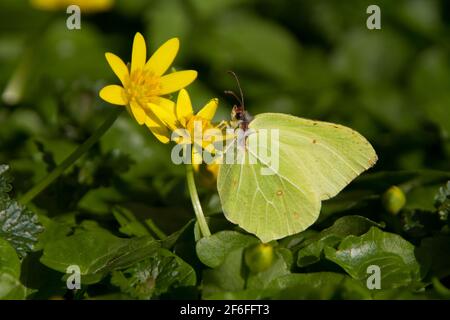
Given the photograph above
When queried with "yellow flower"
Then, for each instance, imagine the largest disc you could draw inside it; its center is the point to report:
(186, 123)
(144, 84)
(185, 117)
(85, 5)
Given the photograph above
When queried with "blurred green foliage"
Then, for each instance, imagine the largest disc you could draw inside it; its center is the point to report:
(311, 58)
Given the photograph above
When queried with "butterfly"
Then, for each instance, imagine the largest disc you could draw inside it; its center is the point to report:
(315, 160)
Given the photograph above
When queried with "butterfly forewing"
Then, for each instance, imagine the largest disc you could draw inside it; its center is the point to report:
(326, 155)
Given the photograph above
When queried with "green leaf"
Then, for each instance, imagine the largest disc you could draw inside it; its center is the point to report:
(229, 276)
(303, 286)
(319, 285)
(232, 279)
(393, 254)
(10, 286)
(311, 250)
(212, 250)
(404, 294)
(18, 225)
(297, 240)
(154, 276)
(96, 252)
(54, 230)
(9, 261)
(129, 225)
(280, 267)
(347, 225)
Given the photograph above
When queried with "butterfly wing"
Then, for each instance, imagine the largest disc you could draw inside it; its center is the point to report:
(269, 206)
(315, 161)
(327, 156)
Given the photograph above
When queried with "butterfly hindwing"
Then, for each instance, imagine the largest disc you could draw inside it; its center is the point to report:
(269, 206)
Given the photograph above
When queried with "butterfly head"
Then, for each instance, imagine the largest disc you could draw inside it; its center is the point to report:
(239, 116)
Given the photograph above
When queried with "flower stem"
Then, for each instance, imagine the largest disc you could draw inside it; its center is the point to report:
(440, 288)
(196, 201)
(72, 158)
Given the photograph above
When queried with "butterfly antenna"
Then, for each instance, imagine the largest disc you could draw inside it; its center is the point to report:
(239, 86)
(231, 93)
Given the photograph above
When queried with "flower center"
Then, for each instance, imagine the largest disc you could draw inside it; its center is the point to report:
(142, 86)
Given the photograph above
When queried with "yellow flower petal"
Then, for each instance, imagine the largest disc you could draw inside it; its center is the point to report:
(139, 53)
(197, 158)
(176, 81)
(118, 66)
(165, 103)
(158, 129)
(113, 94)
(183, 108)
(165, 115)
(209, 110)
(138, 113)
(161, 60)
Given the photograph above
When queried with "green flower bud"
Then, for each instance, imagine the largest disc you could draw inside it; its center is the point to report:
(393, 200)
(259, 257)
